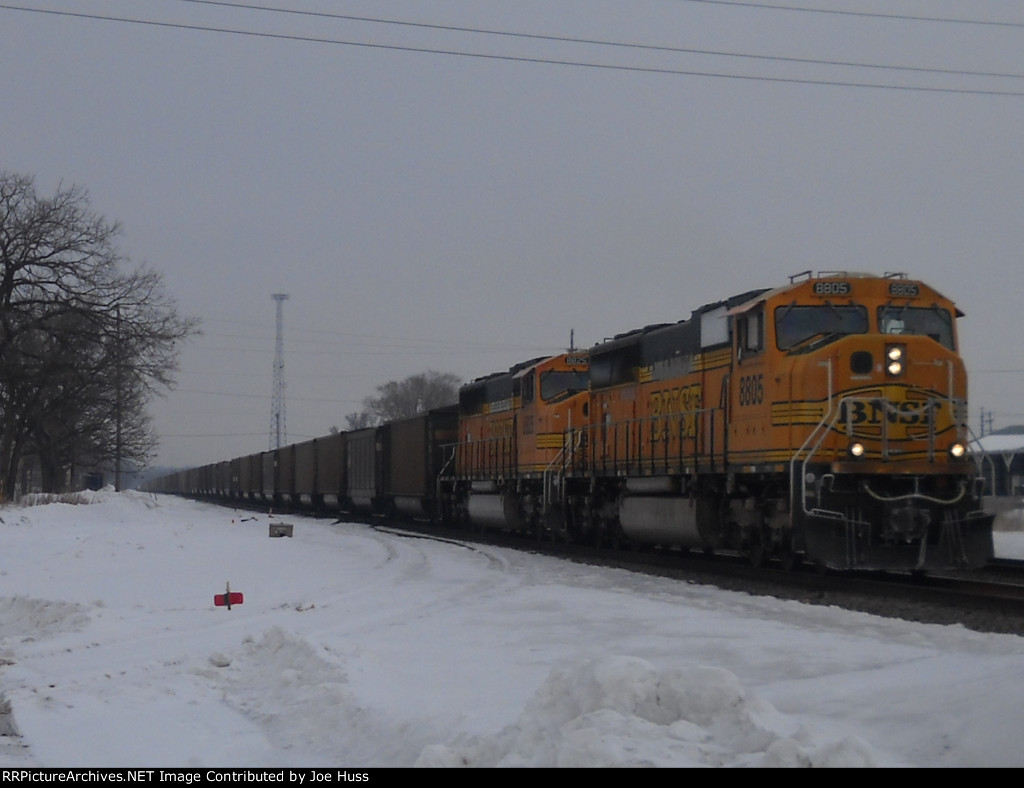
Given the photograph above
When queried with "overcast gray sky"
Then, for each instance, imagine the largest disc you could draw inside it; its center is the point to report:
(431, 196)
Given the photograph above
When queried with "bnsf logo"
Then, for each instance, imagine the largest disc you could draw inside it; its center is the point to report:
(873, 412)
(832, 288)
(674, 411)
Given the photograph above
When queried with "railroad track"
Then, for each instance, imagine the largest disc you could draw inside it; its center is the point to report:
(985, 601)
(988, 600)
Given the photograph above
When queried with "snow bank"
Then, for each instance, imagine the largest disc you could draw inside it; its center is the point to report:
(621, 711)
(360, 647)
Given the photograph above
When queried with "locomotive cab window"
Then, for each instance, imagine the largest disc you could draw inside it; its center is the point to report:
(556, 385)
(933, 322)
(817, 325)
(750, 333)
(527, 386)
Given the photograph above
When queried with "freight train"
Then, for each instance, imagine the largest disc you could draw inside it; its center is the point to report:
(821, 421)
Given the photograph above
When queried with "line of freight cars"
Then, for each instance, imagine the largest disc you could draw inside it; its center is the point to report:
(390, 469)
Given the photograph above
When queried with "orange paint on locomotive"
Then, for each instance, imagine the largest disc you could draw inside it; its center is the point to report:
(656, 399)
(555, 403)
(522, 433)
(801, 375)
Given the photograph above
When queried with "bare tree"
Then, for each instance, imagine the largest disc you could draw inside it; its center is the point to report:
(358, 420)
(84, 344)
(399, 399)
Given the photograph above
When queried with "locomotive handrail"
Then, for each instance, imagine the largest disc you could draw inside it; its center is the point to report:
(488, 457)
(831, 419)
(449, 449)
(632, 436)
(559, 460)
(918, 495)
(821, 428)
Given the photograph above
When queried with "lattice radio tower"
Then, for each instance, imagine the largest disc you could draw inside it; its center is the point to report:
(278, 433)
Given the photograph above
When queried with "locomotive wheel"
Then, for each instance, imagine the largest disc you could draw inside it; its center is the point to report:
(557, 526)
(757, 548)
(757, 553)
(788, 557)
(610, 537)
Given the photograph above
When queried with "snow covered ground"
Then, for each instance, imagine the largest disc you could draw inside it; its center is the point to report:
(358, 647)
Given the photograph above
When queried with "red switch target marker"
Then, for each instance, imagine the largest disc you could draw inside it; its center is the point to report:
(228, 598)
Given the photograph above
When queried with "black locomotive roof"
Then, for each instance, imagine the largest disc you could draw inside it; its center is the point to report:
(630, 350)
(688, 328)
(493, 388)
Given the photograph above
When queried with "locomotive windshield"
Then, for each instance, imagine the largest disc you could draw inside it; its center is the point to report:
(795, 325)
(926, 321)
(556, 385)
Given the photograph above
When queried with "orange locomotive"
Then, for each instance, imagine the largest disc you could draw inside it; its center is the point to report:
(824, 420)
(513, 429)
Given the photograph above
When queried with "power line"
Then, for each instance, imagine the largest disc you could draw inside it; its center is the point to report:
(212, 435)
(349, 339)
(605, 42)
(868, 14)
(524, 59)
(243, 395)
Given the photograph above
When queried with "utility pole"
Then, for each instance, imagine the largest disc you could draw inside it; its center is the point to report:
(278, 433)
(118, 446)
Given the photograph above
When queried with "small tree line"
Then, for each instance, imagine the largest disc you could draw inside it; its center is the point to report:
(85, 341)
(399, 399)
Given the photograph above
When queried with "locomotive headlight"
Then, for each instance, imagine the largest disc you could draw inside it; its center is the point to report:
(856, 449)
(957, 450)
(894, 360)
